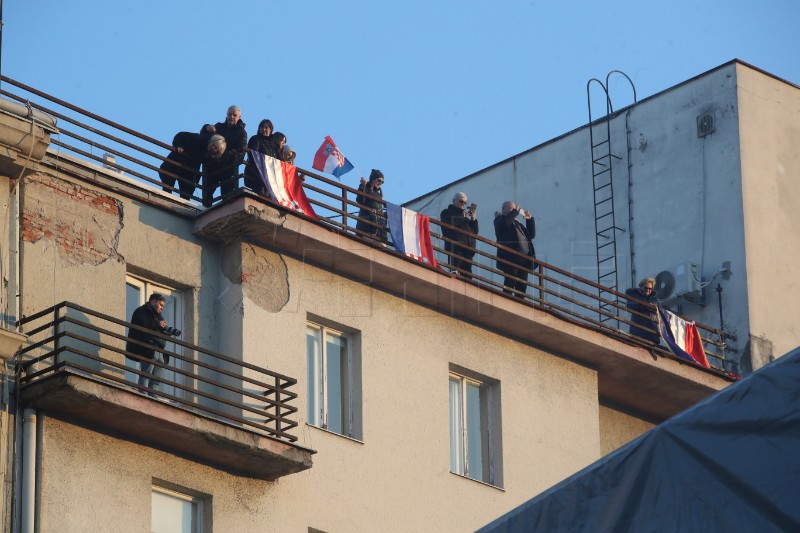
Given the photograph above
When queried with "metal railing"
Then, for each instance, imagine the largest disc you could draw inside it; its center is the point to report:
(548, 287)
(72, 338)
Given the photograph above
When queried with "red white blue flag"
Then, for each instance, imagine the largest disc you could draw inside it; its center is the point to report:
(411, 233)
(329, 159)
(682, 337)
(283, 183)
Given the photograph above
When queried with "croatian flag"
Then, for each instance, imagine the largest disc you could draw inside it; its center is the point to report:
(329, 159)
(682, 337)
(411, 233)
(283, 183)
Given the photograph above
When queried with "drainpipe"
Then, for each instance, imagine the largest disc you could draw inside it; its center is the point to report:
(28, 493)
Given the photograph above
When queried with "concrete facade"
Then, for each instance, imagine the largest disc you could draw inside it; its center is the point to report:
(252, 277)
(679, 197)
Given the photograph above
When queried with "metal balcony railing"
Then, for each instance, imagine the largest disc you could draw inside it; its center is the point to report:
(69, 337)
(549, 288)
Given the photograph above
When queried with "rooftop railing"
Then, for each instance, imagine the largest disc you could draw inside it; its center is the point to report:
(547, 287)
(72, 338)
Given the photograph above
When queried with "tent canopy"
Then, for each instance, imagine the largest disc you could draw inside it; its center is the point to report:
(730, 463)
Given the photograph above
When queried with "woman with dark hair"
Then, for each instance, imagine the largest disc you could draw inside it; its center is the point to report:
(638, 298)
(260, 142)
(372, 208)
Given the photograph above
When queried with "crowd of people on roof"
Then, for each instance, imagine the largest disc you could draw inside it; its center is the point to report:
(221, 148)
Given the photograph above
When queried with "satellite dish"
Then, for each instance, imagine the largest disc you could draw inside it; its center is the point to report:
(665, 284)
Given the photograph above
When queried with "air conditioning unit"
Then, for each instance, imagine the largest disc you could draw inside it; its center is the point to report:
(680, 281)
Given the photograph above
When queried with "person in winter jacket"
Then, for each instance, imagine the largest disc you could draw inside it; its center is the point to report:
(512, 234)
(224, 172)
(183, 164)
(371, 209)
(260, 142)
(458, 215)
(148, 316)
(638, 298)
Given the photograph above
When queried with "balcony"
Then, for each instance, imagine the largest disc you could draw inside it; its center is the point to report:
(210, 408)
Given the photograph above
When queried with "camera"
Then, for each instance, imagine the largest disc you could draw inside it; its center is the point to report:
(172, 332)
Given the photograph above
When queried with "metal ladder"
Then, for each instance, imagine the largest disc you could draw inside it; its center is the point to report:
(605, 226)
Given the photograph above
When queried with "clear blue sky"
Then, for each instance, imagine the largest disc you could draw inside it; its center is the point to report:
(428, 92)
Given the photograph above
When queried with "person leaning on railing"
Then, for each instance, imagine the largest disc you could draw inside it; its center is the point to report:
(184, 162)
(511, 233)
(458, 215)
(260, 142)
(638, 298)
(372, 208)
(225, 171)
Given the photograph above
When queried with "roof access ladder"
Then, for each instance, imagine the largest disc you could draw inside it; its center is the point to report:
(605, 225)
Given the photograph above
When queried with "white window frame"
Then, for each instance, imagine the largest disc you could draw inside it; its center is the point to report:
(489, 470)
(317, 389)
(196, 508)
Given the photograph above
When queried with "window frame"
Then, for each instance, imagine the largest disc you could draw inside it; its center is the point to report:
(318, 390)
(490, 430)
(197, 506)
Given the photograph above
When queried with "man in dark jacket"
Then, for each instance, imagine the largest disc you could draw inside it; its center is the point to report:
(148, 316)
(458, 216)
(224, 172)
(509, 232)
(183, 164)
(638, 298)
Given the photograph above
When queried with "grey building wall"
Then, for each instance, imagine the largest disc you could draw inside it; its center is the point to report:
(679, 197)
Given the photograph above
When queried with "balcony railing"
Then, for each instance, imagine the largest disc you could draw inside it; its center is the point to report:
(69, 337)
(548, 288)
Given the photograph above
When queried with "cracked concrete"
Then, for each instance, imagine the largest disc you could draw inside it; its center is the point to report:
(263, 275)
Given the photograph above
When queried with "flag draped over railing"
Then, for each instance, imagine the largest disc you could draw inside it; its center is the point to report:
(283, 183)
(681, 337)
(411, 233)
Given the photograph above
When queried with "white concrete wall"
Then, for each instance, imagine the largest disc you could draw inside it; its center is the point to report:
(770, 109)
(685, 197)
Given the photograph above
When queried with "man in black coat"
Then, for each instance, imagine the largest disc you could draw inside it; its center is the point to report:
(509, 232)
(458, 216)
(638, 298)
(225, 170)
(183, 164)
(148, 316)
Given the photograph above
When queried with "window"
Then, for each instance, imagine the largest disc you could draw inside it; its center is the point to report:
(334, 377)
(174, 512)
(475, 449)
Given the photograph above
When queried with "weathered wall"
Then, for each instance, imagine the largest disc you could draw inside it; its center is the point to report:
(399, 474)
(771, 189)
(79, 242)
(685, 195)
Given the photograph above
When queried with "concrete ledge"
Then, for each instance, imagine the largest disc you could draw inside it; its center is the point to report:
(10, 342)
(121, 413)
(628, 375)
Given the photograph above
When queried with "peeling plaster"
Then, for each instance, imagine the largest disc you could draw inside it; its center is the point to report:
(264, 276)
(84, 225)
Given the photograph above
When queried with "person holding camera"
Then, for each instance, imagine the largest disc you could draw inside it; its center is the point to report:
(372, 207)
(148, 316)
(459, 216)
(512, 234)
